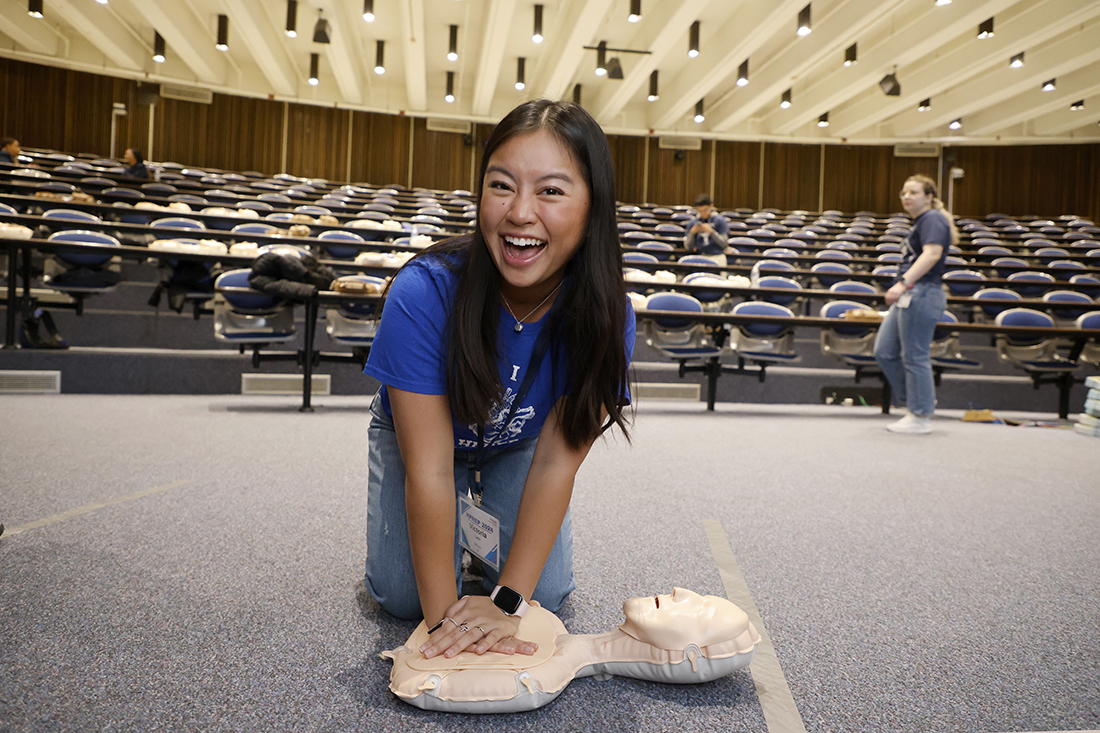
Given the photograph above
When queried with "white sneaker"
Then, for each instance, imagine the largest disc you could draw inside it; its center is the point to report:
(912, 425)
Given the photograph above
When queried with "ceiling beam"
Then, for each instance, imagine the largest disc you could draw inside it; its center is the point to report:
(565, 52)
(663, 27)
(924, 28)
(1031, 28)
(105, 31)
(415, 50)
(1064, 120)
(189, 38)
(1034, 103)
(979, 92)
(342, 52)
(252, 25)
(498, 24)
(713, 67)
(833, 33)
(33, 34)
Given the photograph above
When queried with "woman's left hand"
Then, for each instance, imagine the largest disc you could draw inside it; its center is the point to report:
(474, 623)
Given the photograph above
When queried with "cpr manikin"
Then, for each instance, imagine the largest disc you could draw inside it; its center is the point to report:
(681, 637)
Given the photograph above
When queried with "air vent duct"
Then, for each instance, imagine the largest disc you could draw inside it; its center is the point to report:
(917, 150)
(187, 94)
(678, 142)
(462, 127)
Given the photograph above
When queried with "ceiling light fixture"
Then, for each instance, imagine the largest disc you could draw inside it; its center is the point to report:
(653, 95)
(577, 94)
(743, 73)
(699, 110)
(614, 68)
(537, 35)
(452, 48)
(314, 63)
(520, 83)
(985, 30)
(823, 120)
(635, 11)
(368, 10)
(158, 47)
(1050, 85)
(925, 105)
(34, 8)
(804, 28)
(956, 123)
(785, 100)
(380, 57)
(292, 18)
(943, 2)
(850, 56)
(223, 33)
(101, 2)
(889, 84)
(1077, 106)
(601, 58)
(450, 96)
(693, 40)
(321, 30)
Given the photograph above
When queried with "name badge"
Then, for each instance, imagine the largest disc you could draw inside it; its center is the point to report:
(905, 299)
(479, 532)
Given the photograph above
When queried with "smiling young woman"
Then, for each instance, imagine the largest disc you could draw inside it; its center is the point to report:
(503, 355)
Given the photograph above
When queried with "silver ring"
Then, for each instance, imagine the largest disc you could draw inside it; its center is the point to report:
(464, 628)
(481, 630)
(453, 622)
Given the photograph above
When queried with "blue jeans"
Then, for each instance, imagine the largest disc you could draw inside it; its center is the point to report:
(902, 347)
(390, 577)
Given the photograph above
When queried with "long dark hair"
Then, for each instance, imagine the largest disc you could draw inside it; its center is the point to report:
(588, 319)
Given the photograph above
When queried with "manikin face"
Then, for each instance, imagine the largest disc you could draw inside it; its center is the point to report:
(129, 157)
(914, 200)
(534, 213)
(683, 617)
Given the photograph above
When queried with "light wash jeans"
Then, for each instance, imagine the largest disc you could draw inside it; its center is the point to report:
(390, 577)
(902, 348)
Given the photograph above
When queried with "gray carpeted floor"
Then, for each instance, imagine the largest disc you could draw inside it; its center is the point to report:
(199, 562)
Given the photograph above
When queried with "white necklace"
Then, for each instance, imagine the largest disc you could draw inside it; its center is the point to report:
(519, 321)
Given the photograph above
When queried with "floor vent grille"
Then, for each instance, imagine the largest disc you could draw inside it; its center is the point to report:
(663, 391)
(286, 384)
(30, 382)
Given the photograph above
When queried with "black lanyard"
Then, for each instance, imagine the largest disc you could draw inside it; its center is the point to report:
(542, 342)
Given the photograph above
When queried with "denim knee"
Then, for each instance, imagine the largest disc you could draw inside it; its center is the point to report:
(395, 597)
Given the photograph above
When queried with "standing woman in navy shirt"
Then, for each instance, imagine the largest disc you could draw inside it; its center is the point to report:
(916, 301)
(503, 355)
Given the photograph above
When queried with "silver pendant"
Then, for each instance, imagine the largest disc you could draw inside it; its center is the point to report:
(519, 327)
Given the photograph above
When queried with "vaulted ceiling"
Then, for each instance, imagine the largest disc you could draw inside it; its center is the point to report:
(933, 50)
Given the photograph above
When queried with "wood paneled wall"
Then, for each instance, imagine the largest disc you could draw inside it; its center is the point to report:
(47, 107)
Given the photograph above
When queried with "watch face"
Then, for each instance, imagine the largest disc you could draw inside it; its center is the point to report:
(508, 600)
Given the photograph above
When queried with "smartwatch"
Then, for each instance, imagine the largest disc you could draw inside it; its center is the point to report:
(509, 601)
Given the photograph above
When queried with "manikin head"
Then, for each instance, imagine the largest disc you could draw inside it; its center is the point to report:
(675, 620)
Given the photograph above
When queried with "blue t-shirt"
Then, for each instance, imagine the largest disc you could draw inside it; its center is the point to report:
(931, 227)
(410, 353)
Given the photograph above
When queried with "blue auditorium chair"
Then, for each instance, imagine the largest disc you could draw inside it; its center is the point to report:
(945, 353)
(678, 339)
(1090, 354)
(661, 250)
(829, 274)
(82, 273)
(177, 222)
(70, 215)
(852, 286)
(1031, 283)
(249, 318)
(1036, 355)
(355, 323)
(1067, 305)
(763, 344)
(715, 301)
(963, 283)
(850, 341)
(331, 246)
(991, 310)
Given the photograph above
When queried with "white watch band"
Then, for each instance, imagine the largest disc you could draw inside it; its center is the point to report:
(524, 606)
